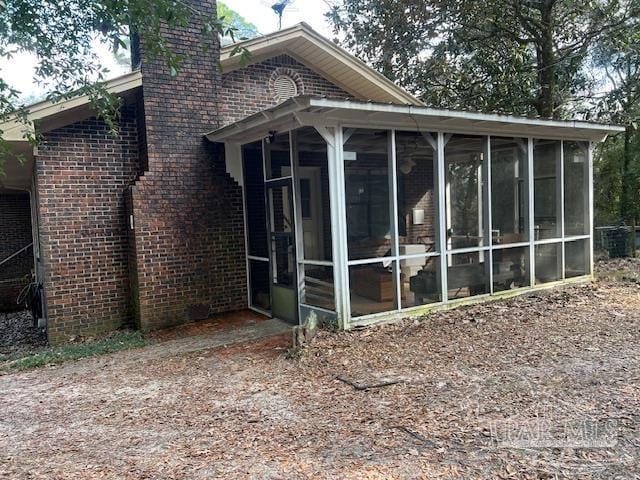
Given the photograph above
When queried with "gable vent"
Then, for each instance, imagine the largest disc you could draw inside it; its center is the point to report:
(285, 87)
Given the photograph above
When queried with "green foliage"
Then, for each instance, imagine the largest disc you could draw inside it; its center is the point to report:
(62, 32)
(495, 55)
(113, 343)
(543, 58)
(243, 29)
(618, 164)
(607, 181)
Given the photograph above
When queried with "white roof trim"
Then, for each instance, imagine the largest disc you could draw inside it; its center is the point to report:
(14, 130)
(289, 41)
(305, 110)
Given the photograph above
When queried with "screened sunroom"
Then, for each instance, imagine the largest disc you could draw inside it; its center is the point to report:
(356, 212)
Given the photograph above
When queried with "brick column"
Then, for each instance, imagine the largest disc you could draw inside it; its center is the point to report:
(188, 246)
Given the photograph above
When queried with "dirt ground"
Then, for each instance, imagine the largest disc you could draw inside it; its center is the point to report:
(541, 386)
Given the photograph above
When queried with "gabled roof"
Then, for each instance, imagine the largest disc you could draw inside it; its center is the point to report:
(65, 112)
(326, 112)
(334, 63)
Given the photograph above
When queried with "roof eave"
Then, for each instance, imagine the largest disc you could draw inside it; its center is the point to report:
(16, 130)
(303, 31)
(299, 108)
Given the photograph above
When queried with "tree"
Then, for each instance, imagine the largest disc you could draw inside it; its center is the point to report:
(512, 56)
(618, 56)
(242, 28)
(61, 33)
(237, 28)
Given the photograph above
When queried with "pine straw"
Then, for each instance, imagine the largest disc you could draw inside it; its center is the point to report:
(562, 362)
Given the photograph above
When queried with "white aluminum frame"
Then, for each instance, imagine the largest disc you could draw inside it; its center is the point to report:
(487, 245)
(336, 136)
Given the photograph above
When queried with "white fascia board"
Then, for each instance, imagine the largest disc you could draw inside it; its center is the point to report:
(15, 130)
(485, 121)
(326, 112)
(257, 120)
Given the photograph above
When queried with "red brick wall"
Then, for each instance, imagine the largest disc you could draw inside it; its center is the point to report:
(248, 90)
(81, 175)
(15, 233)
(183, 259)
(189, 240)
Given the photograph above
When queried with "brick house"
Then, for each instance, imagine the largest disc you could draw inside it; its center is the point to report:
(303, 185)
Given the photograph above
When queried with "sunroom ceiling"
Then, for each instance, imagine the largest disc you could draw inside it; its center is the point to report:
(325, 112)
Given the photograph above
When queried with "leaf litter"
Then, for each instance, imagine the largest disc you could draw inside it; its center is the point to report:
(541, 386)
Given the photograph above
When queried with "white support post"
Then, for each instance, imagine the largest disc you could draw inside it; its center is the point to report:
(393, 204)
(343, 264)
(531, 213)
(330, 136)
(590, 229)
(560, 208)
(487, 217)
(297, 215)
(447, 195)
(266, 154)
(442, 216)
(335, 158)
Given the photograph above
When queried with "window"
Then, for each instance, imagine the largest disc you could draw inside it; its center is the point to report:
(509, 190)
(368, 202)
(316, 286)
(417, 203)
(420, 281)
(368, 205)
(417, 218)
(260, 293)
(546, 189)
(464, 157)
(577, 258)
(254, 200)
(277, 152)
(510, 268)
(467, 275)
(372, 288)
(576, 188)
(315, 276)
(312, 170)
(548, 262)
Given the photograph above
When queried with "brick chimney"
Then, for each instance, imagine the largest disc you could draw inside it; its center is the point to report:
(187, 242)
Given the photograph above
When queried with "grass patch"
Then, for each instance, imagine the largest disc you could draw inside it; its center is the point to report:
(53, 355)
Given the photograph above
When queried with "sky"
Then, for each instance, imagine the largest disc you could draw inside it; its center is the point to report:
(18, 72)
(260, 14)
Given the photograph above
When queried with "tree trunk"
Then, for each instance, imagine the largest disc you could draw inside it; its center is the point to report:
(546, 63)
(626, 196)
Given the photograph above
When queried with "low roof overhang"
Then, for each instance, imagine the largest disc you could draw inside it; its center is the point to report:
(49, 115)
(324, 112)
